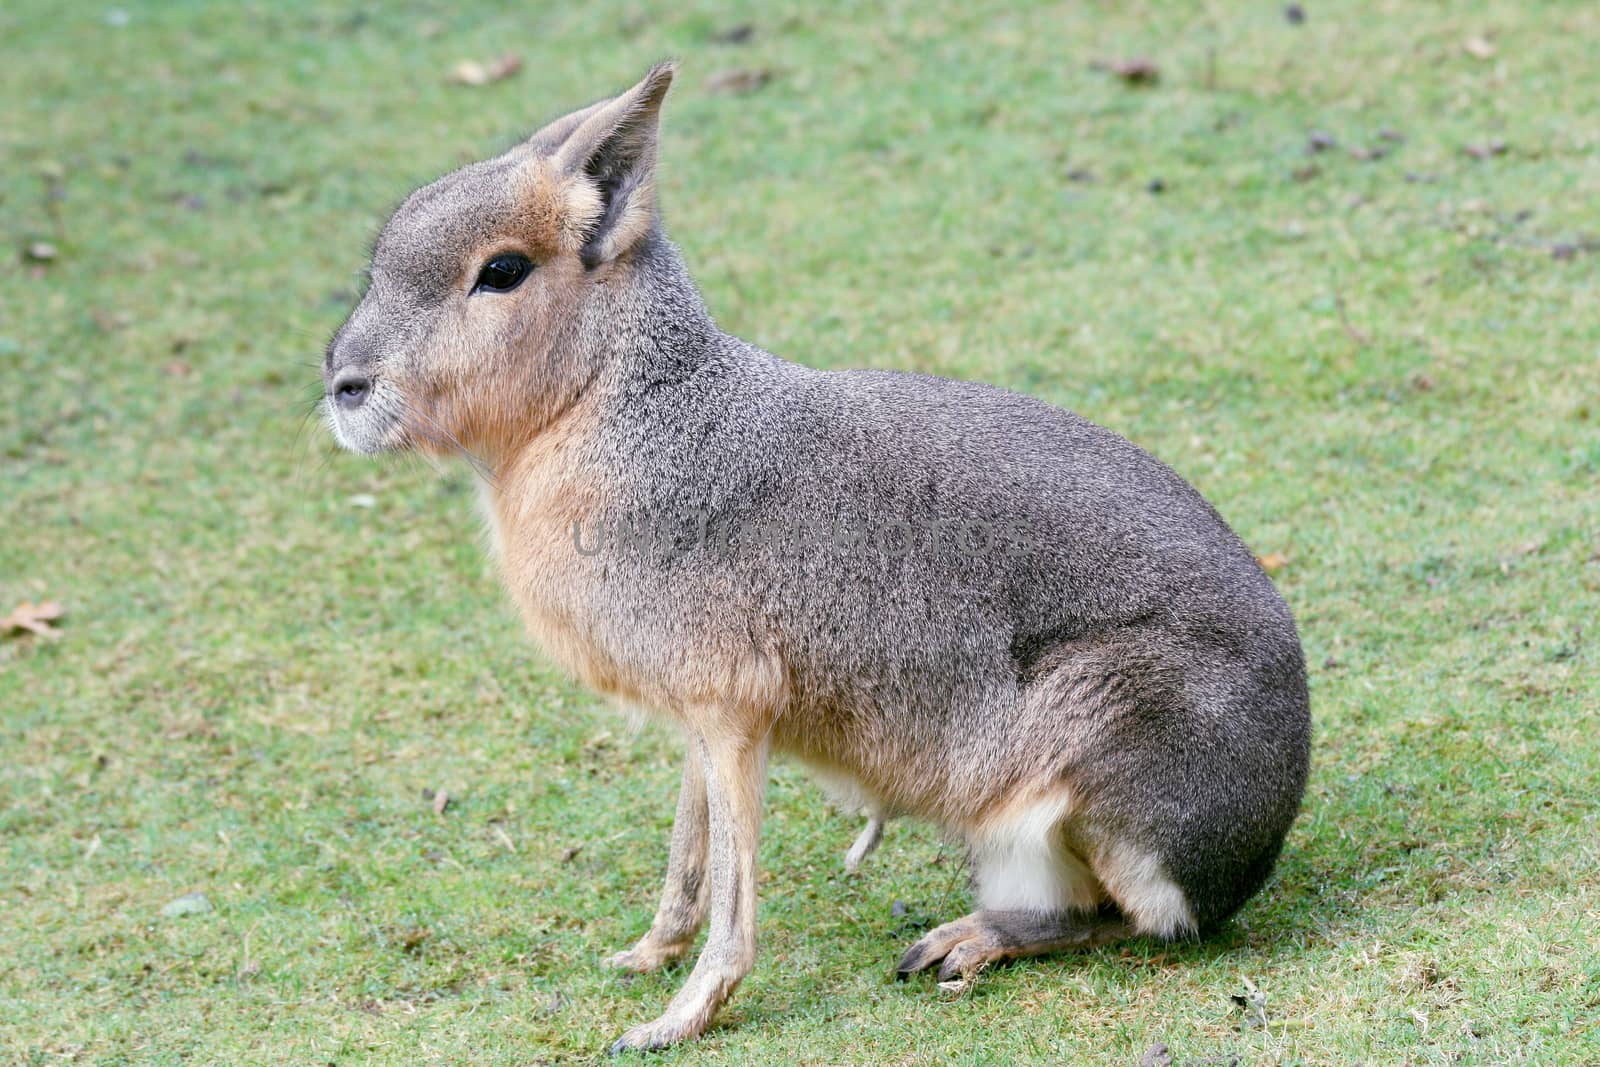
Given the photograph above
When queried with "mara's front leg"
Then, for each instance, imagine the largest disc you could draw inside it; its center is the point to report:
(735, 776)
(684, 896)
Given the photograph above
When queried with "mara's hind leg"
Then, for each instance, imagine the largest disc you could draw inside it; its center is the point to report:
(1048, 900)
(865, 843)
(973, 942)
(1035, 896)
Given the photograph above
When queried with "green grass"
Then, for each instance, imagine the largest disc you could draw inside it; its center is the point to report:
(1387, 371)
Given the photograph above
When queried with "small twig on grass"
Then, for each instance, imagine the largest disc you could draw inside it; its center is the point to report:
(1359, 336)
(55, 192)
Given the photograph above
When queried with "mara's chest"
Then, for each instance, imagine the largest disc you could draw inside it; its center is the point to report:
(533, 528)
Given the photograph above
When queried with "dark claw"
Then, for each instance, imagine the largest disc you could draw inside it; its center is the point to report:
(620, 1045)
(914, 961)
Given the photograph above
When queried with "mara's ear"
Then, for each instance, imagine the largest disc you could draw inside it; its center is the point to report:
(613, 144)
(551, 136)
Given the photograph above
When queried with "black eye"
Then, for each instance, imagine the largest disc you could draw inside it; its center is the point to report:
(503, 273)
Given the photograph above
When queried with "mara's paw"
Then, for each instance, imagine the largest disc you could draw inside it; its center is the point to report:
(963, 948)
(647, 956)
(973, 942)
(657, 1034)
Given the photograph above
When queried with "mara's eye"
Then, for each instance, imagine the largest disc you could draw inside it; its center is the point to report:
(503, 273)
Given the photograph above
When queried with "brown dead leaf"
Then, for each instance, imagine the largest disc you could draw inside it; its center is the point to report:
(441, 800)
(413, 938)
(475, 72)
(1320, 141)
(738, 81)
(1273, 562)
(184, 729)
(1567, 250)
(1478, 47)
(742, 33)
(111, 321)
(34, 618)
(1486, 150)
(1135, 70)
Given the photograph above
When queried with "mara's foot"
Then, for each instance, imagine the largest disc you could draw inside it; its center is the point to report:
(648, 955)
(685, 1018)
(973, 942)
(655, 1034)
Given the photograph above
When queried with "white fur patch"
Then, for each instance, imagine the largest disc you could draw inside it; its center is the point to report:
(1021, 863)
(1139, 884)
(491, 519)
(844, 790)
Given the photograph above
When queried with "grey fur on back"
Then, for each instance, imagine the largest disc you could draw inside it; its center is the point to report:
(1189, 724)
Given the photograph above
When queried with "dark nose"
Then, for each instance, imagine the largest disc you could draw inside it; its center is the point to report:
(351, 388)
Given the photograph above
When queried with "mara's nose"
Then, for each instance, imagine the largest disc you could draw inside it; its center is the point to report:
(351, 388)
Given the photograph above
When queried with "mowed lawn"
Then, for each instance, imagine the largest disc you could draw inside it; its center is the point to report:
(1343, 273)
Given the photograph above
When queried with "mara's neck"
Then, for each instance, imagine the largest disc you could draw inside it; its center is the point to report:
(650, 325)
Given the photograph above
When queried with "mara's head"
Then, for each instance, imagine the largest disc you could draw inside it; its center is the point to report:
(479, 284)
